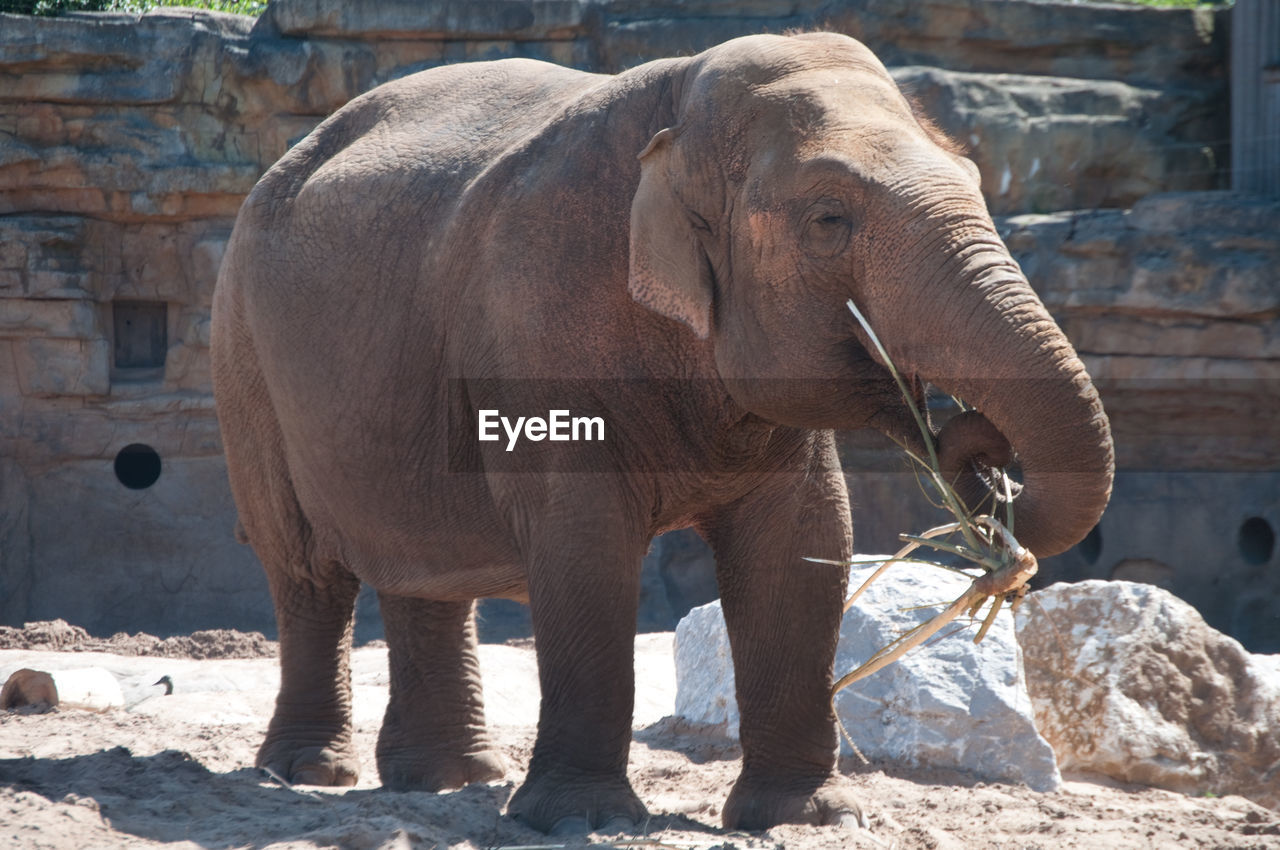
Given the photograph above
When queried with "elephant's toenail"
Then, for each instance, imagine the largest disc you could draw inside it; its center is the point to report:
(572, 825)
(617, 826)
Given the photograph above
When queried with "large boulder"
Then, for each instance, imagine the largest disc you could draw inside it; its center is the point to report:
(1128, 681)
(950, 704)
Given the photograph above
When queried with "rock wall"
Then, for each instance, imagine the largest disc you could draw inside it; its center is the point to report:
(127, 144)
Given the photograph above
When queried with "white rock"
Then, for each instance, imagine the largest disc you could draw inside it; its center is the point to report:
(1128, 681)
(704, 670)
(950, 704)
(85, 688)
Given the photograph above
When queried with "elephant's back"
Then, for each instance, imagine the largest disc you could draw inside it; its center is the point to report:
(445, 124)
(342, 227)
(412, 144)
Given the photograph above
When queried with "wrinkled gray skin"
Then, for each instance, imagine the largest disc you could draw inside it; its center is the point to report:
(495, 220)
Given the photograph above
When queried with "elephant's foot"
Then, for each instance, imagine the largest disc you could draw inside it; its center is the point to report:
(757, 803)
(562, 803)
(409, 769)
(308, 764)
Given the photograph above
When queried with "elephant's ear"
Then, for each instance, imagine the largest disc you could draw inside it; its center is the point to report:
(669, 271)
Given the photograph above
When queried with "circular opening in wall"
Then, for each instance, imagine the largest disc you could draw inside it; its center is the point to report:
(137, 466)
(1256, 540)
(1091, 546)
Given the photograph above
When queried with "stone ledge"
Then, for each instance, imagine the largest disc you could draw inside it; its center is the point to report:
(108, 58)
(1199, 254)
(58, 257)
(1182, 336)
(122, 185)
(67, 428)
(134, 56)
(49, 318)
(1054, 143)
(1121, 41)
(475, 19)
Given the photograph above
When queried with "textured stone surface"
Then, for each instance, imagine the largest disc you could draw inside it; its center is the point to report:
(1128, 681)
(164, 556)
(1116, 41)
(1174, 306)
(704, 670)
(478, 19)
(15, 539)
(1107, 41)
(1054, 143)
(62, 367)
(221, 98)
(951, 704)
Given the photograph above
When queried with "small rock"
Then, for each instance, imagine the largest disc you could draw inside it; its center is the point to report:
(1128, 681)
(948, 704)
(87, 688)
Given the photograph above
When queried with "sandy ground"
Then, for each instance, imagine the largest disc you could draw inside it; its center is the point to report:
(176, 771)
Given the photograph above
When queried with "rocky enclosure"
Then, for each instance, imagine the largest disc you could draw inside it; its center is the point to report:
(127, 144)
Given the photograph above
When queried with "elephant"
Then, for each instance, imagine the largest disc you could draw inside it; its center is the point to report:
(669, 250)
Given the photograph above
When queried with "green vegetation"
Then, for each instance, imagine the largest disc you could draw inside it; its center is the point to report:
(61, 7)
(1173, 4)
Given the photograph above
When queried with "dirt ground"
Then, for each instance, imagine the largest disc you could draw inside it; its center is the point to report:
(176, 771)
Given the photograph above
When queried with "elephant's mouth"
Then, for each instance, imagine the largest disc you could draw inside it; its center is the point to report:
(974, 457)
(977, 460)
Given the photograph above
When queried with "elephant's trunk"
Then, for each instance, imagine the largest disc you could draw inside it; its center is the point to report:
(982, 334)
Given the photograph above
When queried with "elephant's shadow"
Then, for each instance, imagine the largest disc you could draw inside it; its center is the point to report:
(170, 797)
(699, 742)
(702, 743)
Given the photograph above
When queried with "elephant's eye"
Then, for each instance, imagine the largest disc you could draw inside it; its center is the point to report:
(827, 233)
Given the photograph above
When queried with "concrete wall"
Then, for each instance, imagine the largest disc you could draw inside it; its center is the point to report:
(127, 144)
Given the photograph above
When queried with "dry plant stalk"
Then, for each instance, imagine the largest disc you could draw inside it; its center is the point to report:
(1006, 565)
(651, 843)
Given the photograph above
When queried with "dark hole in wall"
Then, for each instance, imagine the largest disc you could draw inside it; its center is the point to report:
(1256, 540)
(137, 466)
(141, 334)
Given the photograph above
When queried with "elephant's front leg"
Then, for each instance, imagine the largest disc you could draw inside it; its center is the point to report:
(433, 735)
(783, 615)
(583, 554)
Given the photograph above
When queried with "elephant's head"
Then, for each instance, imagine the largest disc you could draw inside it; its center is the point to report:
(797, 176)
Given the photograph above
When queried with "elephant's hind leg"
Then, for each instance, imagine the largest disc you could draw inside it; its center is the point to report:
(433, 736)
(309, 737)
